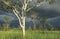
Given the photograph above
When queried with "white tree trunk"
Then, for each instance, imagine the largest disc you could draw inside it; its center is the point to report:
(23, 31)
(21, 21)
(23, 27)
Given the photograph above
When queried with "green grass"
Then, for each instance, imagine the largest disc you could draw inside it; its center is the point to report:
(17, 34)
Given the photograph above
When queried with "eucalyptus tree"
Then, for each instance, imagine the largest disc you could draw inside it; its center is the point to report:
(20, 7)
(43, 21)
(7, 20)
(34, 18)
(49, 26)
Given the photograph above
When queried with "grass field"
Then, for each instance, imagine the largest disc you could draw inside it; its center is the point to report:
(16, 34)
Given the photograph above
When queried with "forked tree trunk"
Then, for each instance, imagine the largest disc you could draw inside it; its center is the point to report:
(21, 21)
(22, 24)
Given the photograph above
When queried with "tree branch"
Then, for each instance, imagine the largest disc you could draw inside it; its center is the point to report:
(37, 5)
(17, 17)
(6, 2)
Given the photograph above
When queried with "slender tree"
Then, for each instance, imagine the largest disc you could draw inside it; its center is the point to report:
(34, 18)
(7, 20)
(43, 22)
(20, 7)
(49, 26)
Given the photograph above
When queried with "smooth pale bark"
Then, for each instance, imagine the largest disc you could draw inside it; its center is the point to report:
(23, 30)
(21, 22)
(23, 27)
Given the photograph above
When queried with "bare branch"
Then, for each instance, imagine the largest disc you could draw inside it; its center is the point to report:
(29, 1)
(37, 5)
(26, 2)
(6, 2)
(17, 12)
(17, 16)
(24, 5)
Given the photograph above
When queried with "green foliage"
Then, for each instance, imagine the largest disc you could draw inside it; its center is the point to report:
(8, 6)
(33, 15)
(52, 1)
(16, 3)
(2, 6)
(37, 26)
(6, 19)
(38, 1)
(49, 26)
(43, 20)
